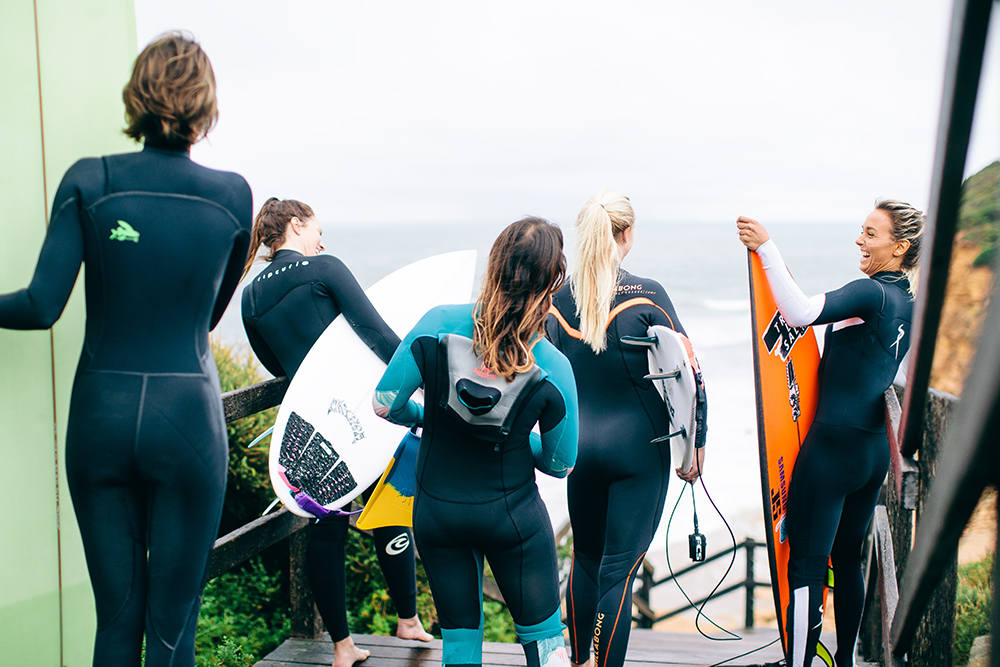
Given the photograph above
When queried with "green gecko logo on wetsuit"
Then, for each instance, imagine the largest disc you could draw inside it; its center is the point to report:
(124, 232)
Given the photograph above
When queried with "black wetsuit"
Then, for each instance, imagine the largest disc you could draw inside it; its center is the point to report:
(475, 498)
(844, 458)
(285, 310)
(617, 490)
(164, 240)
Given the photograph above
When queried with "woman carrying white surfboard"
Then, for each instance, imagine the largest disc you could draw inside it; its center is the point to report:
(617, 490)
(286, 309)
(489, 376)
(146, 449)
(845, 456)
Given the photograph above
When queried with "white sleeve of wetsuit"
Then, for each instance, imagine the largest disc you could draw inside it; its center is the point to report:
(797, 309)
(904, 365)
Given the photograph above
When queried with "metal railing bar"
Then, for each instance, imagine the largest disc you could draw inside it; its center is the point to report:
(698, 603)
(709, 559)
(961, 476)
(969, 26)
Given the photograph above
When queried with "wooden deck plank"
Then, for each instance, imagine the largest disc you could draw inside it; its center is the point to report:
(647, 648)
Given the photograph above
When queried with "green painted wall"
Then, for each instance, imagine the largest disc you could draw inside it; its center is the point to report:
(82, 51)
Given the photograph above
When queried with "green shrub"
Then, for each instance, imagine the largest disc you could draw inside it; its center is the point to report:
(243, 617)
(248, 487)
(973, 606)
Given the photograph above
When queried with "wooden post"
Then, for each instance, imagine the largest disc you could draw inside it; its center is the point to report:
(932, 645)
(646, 575)
(305, 619)
(749, 583)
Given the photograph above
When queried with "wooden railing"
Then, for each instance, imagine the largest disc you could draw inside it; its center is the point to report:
(920, 624)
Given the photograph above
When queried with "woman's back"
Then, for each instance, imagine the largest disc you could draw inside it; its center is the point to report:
(163, 239)
(610, 385)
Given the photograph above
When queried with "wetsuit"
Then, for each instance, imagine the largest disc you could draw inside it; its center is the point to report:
(286, 309)
(845, 456)
(477, 498)
(146, 447)
(617, 490)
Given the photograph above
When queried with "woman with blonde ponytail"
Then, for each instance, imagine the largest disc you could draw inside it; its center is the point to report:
(286, 308)
(845, 456)
(489, 376)
(617, 490)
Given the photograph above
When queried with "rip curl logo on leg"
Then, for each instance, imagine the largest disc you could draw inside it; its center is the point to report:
(398, 545)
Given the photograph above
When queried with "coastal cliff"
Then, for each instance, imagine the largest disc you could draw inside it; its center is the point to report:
(970, 278)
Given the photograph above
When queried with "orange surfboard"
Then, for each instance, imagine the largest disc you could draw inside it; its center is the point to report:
(786, 373)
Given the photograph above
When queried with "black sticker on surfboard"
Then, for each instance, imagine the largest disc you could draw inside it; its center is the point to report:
(335, 485)
(793, 390)
(779, 337)
(312, 464)
(315, 461)
(296, 437)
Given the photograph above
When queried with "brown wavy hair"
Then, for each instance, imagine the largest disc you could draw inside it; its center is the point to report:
(526, 266)
(170, 99)
(270, 225)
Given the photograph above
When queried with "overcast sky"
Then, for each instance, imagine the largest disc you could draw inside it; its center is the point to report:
(464, 111)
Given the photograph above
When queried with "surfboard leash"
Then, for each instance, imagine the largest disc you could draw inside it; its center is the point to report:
(692, 540)
(732, 636)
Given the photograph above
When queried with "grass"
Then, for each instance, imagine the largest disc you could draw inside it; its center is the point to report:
(973, 606)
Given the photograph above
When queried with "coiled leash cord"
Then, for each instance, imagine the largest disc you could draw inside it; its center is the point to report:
(696, 546)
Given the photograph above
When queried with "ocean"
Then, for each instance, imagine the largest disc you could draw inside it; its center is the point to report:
(703, 267)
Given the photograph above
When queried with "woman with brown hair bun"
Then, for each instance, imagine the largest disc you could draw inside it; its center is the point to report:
(286, 308)
(164, 241)
(489, 375)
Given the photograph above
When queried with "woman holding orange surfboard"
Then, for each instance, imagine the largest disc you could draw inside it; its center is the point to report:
(845, 456)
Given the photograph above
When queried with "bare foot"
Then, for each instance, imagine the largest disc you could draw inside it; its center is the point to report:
(412, 628)
(345, 653)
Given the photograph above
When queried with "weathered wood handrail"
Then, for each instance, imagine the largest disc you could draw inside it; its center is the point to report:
(888, 591)
(971, 464)
(249, 540)
(966, 46)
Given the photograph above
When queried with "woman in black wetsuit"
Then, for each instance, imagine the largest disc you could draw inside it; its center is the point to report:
(285, 309)
(164, 240)
(845, 456)
(476, 494)
(617, 490)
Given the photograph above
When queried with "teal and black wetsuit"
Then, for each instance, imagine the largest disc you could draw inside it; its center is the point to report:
(476, 498)
(164, 241)
(286, 309)
(617, 490)
(845, 456)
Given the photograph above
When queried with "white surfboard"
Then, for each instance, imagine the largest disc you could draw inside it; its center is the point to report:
(670, 370)
(327, 441)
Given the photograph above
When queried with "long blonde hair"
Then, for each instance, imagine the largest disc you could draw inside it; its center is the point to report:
(595, 278)
(526, 266)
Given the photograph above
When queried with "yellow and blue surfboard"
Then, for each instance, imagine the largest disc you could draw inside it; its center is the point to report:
(391, 504)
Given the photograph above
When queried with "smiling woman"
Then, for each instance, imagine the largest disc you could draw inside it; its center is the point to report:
(845, 456)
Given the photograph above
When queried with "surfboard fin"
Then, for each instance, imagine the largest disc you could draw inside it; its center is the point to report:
(260, 437)
(642, 341)
(664, 438)
(663, 376)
